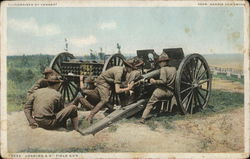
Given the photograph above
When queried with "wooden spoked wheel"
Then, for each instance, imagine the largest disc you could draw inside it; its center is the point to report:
(69, 88)
(193, 83)
(114, 60)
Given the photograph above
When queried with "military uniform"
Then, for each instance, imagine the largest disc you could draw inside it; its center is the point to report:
(41, 83)
(45, 107)
(166, 85)
(104, 82)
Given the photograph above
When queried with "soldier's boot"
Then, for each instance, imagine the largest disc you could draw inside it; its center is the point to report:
(85, 103)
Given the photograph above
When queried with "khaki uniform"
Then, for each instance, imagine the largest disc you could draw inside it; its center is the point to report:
(104, 82)
(41, 83)
(132, 76)
(45, 107)
(167, 79)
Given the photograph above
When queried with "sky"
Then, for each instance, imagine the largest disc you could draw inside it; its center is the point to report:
(204, 30)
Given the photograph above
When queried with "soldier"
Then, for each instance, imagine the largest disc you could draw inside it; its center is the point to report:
(91, 97)
(128, 96)
(165, 83)
(111, 77)
(41, 83)
(44, 108)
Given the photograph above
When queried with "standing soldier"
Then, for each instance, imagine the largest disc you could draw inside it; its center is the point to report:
(165, 84)
(44, 108)
(41, 83)
(111, 77)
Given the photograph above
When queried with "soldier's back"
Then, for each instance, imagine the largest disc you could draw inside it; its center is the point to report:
(46, 102)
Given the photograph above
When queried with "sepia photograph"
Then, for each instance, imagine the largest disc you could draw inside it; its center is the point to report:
(125, 79)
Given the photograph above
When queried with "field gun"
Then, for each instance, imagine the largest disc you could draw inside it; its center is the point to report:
(192, 87)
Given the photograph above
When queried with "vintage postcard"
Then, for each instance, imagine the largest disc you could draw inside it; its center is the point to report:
(125, 79)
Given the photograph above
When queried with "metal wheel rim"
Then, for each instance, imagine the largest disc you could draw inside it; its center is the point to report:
(193, 83)
(68, 89)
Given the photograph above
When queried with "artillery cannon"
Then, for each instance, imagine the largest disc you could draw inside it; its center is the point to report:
(192, 84)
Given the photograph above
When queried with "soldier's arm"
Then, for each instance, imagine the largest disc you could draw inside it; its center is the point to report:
(163, 78)
(117, 81)
(118, 88)
(28, 107)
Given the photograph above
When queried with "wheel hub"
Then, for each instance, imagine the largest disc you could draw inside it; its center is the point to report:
(195, 84)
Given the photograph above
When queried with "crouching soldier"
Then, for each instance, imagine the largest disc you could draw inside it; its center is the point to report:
(44, 108)
(42, 83)
(104, 82)
(165, 85)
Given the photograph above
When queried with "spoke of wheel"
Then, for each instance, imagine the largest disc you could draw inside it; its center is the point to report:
(73, 85)
(192, 61)
(119, 61)
(115, 61)
(60, 87)
(71, 91)
(189, 101)
(68, 94)
(203, 73)
(201, 95)
(189, 73)
(112, 63)
(196, 62)
(186, 83)
(186, 97)
(55, 67)
(186, 89)
(197, 97)
(59, 66)
(64, 93)
(207, 80)
(198, 70)
(189, 80)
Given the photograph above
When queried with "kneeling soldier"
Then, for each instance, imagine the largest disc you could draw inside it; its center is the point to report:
(112, 76)
(48, 108)
(165, 83)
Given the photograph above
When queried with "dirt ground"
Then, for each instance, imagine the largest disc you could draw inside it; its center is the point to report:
(218, 132)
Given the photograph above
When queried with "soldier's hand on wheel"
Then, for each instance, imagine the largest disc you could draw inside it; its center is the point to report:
(131, 85)
(152, 80)
(34, 125)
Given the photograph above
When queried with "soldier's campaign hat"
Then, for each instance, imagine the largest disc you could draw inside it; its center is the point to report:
(163, 57)
(48, 70)
(54, 79)
(130, 63)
